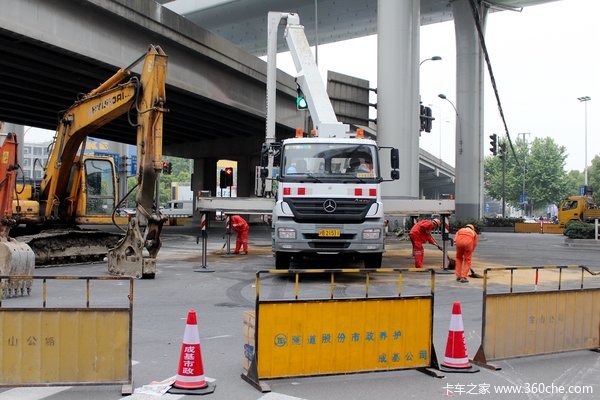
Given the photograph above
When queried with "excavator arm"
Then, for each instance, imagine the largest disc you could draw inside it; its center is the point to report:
(127, 257)
(16, 258)
(144, 97)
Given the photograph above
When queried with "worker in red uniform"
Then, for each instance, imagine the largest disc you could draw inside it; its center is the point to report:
(466, 241)
(240, 225)
(420, 234)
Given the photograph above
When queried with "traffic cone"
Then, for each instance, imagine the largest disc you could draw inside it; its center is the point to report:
(456, 359)
(190, 374)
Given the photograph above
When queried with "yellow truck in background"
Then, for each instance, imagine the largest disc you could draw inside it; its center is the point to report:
(578, 208)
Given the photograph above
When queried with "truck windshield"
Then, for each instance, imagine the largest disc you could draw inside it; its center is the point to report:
(329, 162)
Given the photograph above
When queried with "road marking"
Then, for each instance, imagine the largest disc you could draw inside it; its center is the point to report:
(217, 337)
(32, 393)
(278, 396)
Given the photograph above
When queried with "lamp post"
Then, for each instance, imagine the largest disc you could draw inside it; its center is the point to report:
(434, 58)
(459, 133)
(584, 100)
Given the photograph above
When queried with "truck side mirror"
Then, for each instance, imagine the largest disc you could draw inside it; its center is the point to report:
(264, 157)
(395, 159)
(395, 174)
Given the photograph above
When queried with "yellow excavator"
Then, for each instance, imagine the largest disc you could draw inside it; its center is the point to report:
(77, 189)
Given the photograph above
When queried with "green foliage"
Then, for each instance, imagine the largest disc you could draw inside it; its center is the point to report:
(540, 165)
(181, 173)
(593, 175)
(501, 222)
(579, 230)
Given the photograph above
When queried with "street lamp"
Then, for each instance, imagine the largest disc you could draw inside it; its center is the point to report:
(584, 100)
(434, 58)
(443, 97)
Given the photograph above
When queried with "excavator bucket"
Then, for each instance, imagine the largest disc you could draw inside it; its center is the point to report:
(127, 257)
(16, 258)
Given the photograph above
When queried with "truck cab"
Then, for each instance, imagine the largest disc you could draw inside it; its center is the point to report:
(328, 200)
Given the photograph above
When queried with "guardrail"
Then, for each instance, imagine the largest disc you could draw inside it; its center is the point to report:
(58, 346)
(329, 334)
(547, 320)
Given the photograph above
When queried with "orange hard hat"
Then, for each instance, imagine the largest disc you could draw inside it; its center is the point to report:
(470, 226)
(436, 222)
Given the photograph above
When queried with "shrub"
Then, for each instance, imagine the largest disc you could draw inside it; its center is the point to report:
(579, 230)
(501, 222)
(456, 224)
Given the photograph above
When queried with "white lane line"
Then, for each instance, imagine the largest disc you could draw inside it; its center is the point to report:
(278, 396)
(217, 337)
(32, 393)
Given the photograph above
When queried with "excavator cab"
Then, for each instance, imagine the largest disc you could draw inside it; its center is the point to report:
(99, 187)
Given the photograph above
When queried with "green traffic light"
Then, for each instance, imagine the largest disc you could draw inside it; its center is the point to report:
(301, 103)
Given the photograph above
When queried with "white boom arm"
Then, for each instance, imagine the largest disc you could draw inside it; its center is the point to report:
(308, 77)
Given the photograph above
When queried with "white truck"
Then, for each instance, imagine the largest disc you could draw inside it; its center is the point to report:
(328, 197)
(323, 189)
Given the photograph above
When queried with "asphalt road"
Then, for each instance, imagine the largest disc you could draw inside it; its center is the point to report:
(220, 298)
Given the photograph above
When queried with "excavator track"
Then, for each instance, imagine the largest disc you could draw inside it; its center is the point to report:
(70, 246)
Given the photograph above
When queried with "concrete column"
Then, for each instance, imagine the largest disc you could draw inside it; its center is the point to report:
(204, 176)
(245, 177)
(469, 105)
(398, 25)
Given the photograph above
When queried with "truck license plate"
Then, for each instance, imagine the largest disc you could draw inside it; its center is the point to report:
(329, 233)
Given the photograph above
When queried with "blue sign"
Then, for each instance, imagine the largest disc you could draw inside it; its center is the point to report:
(523, 198)
(133, 165)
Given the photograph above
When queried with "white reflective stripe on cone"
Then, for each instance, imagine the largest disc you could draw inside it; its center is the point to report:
(191, 335)
(456, 361)
(184, 378)
(456, 323)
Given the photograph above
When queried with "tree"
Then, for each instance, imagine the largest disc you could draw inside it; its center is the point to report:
(539, 170)
(181, 173)
(594, 174)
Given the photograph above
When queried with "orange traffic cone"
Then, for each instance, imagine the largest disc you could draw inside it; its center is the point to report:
(190, 374)
(456, 359)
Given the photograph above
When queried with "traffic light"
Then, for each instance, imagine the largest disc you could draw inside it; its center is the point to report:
(494, 144)
(222, 179)
(301, 103)
(502, 151)
(167, 168)
(426, 118)
(229, 176)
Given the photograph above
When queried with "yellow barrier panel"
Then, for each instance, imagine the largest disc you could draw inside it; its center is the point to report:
(338, 336)
(534, 323)
(539, 228)
(46, 346)
(335, 337)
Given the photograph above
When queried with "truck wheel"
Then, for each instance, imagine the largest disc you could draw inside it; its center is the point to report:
(282, 260)
(373, 260)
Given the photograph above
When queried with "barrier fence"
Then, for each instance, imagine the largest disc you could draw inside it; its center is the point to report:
(517, 323)
(59, 346)
(303, 336)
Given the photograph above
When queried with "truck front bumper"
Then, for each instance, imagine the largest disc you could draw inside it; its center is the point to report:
(309, 238)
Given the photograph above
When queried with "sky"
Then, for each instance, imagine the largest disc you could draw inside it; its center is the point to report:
(543, 58)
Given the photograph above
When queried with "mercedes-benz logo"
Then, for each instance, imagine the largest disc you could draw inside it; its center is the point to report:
(329, 205)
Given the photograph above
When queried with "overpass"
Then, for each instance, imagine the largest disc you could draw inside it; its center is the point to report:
(215, 90)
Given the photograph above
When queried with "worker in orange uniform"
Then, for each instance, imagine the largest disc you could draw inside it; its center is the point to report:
(420, 234)
(240, 225)
(466, 241)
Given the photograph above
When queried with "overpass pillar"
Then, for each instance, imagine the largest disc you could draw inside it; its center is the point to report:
(469, 105)
(204, 176)
(245, 177)
(398, 25)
